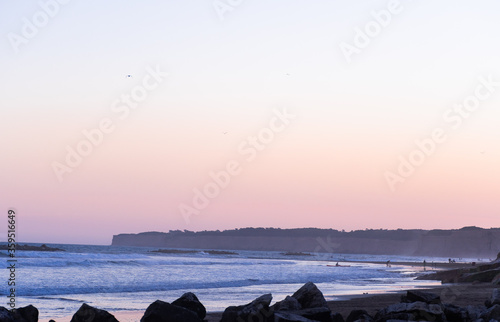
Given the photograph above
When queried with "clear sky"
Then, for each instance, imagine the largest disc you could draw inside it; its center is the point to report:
(132, 116)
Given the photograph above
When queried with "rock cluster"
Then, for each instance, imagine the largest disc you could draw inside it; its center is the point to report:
(24, 314)
(306, 305)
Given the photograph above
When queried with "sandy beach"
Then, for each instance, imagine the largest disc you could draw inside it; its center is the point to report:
(457, 294)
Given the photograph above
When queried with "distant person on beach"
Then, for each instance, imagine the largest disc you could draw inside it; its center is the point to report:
(337, 264)
(424, 264)
(388, 263)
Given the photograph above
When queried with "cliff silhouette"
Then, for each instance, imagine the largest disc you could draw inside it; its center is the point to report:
(471, 242)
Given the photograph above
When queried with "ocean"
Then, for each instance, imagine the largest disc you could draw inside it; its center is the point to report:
(130, 278)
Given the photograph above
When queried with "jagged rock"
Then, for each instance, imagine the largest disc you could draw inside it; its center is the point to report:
(337, 317)
(190, 301)
(418, 296)
(474, 311)
(160, 311)
(310, 296)
(359, 315)
(493, 313)
(257, 310)
(5, 315)
(26, 314)
(23, 314)
(321, 314)
(412, 312)
(494, 299)
(87, 313)
(289, 317)
(454, 313)
(288, 304)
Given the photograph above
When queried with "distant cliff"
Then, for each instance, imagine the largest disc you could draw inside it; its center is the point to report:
(470, 242)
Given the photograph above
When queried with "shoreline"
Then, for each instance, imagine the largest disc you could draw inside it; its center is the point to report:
(458, 294)
(345, 303)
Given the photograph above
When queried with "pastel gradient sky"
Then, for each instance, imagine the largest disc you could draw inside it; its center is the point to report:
(228, 74)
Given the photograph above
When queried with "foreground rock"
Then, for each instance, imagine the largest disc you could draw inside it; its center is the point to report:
(418, 296)
(493, 313)
(160, 311)
(310, 296)
(494, 299)
(416, 311)
(359, 315)
(257, 310)
(288, 304)
(306, 303)
(422, 306)
(23, 314)
(190, 301)
(87, 313)
(289, 317)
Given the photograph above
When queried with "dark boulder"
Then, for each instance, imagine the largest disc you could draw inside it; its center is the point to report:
(257, 310)
(288, 304)
(289, 317)
(160, 311)
(418, 296)
(493, 313)
(23, 314)
(416, 311)
(309, 296)
(190, 301)
(494, 299)
(26, 314)
(455, 313)
(359, 315)
(337, 317)
(87, 313)
(321, 314)
(5, 315)
(474, 312)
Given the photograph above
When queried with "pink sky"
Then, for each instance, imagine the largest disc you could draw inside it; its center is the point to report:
(228, 79)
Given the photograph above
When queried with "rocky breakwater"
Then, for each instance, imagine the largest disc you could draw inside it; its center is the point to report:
(486, 273)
